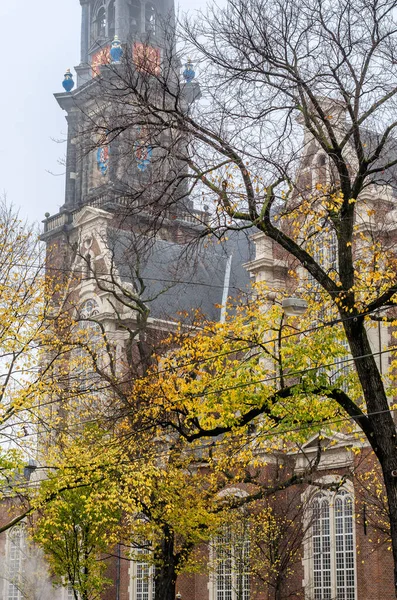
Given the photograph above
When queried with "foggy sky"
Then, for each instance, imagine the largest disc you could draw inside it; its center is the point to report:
(40, 40)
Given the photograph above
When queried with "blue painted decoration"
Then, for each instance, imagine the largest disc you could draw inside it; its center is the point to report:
(116, 50)
(68, 83)
(142, 151)
(102, 158)
(189, 73)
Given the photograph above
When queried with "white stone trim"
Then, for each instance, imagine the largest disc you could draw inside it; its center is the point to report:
(22, 546)
(133, 580)
(212, 579)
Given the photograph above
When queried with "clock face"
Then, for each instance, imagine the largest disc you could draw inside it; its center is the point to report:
(102, 57)
(146, 58)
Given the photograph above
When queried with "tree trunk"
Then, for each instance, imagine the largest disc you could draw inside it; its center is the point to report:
(277, 592)
(165, 574)
(391, 491)
(384, 440)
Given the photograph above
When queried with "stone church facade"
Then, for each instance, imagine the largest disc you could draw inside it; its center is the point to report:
(99, 229)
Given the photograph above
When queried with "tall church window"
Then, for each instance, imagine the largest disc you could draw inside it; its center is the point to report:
(142, 576)
(230, 558)
(100, 23)
(15, 548)
(111, 19)
(87, 353)
(333, 551)
(70, 595)
(150, 18)
(135, 15)
(325, 253)
(321, 169)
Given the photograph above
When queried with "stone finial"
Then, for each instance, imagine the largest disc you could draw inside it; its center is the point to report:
(68, 83)
(189, 73)
(116, 50)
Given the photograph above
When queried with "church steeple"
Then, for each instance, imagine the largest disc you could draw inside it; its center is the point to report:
(103, 171)
(130, 20)
(109, 28)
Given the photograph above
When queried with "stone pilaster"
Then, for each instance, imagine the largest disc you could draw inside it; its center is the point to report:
(122, 20)
(71, 163)
(85, 31)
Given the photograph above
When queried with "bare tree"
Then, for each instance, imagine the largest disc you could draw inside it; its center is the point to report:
(294, 136)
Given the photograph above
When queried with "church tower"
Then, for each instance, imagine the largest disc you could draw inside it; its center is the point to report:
(103, 173)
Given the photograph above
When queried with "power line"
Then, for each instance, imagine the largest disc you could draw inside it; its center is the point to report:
(96, 277)
(248, 347)
(237, 386)
(102, 278)
(242, 385)
(251, 437)
(247, 384)
(293, 373)
(253, 345)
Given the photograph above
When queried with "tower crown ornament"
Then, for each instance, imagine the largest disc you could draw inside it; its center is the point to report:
(116, 50)
(68, 83)
(189, 73)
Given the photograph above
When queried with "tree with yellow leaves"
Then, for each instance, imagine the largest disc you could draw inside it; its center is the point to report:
(26, 380)
(154, 460)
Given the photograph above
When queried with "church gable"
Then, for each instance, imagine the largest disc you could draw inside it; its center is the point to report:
(335, 452)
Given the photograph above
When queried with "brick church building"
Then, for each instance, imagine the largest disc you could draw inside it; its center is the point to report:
(108, 219)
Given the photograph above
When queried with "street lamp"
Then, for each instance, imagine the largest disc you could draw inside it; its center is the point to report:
(294, 307)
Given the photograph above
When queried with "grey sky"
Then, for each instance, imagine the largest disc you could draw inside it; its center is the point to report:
(40, 40)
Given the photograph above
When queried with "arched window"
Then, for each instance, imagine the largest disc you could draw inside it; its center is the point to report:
(100, 23)
(111, 19)
(322, 174)
(15, 548)
(150, 18)
(142, 576)
(87, 353)
(134, 9)
(230, 560)
(70, 592)
(88, 266)
(332, 547)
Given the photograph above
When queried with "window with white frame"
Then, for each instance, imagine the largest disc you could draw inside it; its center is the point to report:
(111, 19)
(70, 592)
(14, 557)
(326, 255)
(342, 366)
(332, 547)
(83, 374)
(230, 558)
(325, 251)
(142, 576)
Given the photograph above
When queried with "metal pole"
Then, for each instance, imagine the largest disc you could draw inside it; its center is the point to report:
(118, 572)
